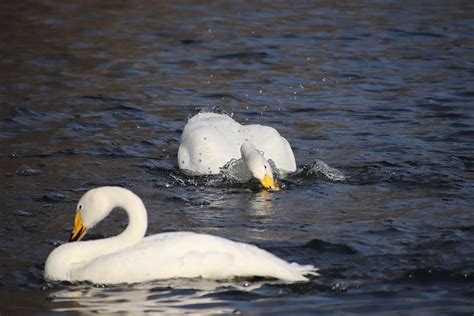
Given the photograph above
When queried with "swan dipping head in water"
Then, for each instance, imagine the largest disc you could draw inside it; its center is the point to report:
(131, 258)
(209, 141)
(258, 166)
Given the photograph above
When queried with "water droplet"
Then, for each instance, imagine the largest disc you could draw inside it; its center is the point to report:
(22, 213)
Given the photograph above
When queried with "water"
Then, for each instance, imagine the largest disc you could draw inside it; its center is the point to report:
(98, 93)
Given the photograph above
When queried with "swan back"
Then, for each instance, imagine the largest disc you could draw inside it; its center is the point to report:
(210, 140)
(188, 255)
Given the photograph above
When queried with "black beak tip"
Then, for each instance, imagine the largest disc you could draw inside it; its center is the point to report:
(77, 237)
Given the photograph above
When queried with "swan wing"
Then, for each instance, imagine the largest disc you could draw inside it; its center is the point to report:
(189, 255)
(210, 140)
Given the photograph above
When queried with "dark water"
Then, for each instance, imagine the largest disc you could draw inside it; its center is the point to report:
(97, 93)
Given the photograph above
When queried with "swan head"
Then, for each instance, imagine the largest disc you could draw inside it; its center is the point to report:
(93, 207)
(258, 166)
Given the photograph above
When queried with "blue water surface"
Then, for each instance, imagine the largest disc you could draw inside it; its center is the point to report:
(97, 93)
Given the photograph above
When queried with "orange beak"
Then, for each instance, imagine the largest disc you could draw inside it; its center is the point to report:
(268, 183)
(79, 230)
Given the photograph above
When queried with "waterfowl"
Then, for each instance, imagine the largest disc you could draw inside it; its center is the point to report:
(131, 258)
(210, 140)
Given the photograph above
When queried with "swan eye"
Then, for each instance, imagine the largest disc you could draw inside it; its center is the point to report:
(80, 207)
(265, 167)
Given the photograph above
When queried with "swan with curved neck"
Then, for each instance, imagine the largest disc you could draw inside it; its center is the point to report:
(130, 257)
(210, 140)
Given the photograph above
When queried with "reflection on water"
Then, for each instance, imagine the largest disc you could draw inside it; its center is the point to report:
(375, 98)
(261, 204)
(166, 297)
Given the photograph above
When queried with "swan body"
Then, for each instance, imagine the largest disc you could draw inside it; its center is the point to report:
(211, 140)
(131, 258)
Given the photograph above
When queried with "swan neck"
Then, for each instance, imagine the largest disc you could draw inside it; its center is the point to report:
(137, 217)
(249, 152)
(65, 261)
(255, 162)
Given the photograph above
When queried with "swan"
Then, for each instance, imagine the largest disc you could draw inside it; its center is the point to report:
(210, 140)
(132, 258)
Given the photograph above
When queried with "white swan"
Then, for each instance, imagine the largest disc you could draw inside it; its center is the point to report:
(131, 258)
(211, 140)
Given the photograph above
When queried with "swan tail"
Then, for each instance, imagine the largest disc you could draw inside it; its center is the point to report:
(303, 270)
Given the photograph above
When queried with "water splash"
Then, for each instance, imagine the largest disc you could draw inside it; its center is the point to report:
(236, 173)
(320, 169)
